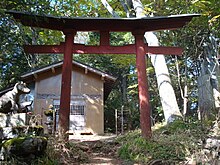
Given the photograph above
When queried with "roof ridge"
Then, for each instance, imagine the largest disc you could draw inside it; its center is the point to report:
(76, 62)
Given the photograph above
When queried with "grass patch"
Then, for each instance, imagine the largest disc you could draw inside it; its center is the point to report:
(62, 152)
(170, 143)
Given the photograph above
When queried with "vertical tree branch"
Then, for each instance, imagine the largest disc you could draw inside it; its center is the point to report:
(109, 8)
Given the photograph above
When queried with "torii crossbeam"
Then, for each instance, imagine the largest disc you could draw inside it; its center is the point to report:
(137, 26)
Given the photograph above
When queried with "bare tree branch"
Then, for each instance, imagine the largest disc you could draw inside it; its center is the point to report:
(109, 8)
(127, 7)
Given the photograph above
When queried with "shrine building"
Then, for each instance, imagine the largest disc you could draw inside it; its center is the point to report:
(90, 89)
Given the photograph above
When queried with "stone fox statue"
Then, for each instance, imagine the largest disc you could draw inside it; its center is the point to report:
(9, 102)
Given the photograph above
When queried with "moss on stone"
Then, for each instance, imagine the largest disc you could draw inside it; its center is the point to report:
(15, 142)
(25, 146)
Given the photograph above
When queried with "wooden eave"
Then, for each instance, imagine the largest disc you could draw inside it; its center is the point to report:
(59, 64)
(102, 24)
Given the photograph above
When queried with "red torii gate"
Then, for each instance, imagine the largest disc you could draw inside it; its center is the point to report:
(137, 26)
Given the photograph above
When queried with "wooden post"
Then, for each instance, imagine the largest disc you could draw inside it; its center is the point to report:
(64, 112)
(116, 121)
(142, 84)
(104, 38)
(185, 100)
(122, 119)
(54, 121)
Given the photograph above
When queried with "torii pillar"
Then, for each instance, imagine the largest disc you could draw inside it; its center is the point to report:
(65, 98)
(144, 105)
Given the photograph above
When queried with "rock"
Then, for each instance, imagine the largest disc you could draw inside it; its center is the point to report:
(25, 147)
(212, 143)
(14, 132)
(12, 120)
(7, 133)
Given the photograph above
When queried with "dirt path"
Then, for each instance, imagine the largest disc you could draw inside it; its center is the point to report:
(103, 160)
(102, 150)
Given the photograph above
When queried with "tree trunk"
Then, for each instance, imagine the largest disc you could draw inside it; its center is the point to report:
(208, 81)
(205, 97)
(166, 92)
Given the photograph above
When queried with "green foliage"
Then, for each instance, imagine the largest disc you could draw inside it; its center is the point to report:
(192, 38)
(170, 143)
(13, 36)
(14, 141)
(142, 150)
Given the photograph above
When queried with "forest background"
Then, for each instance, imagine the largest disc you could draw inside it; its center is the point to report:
(199, 39)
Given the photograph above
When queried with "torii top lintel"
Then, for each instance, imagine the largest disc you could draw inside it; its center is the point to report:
(102, 24)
